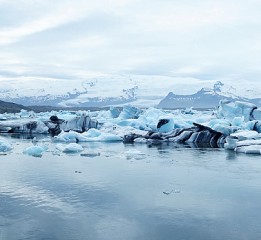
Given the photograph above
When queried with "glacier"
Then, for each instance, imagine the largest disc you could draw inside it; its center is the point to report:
(234, 125)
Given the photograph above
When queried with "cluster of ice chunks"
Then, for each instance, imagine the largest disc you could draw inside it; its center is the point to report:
(53, 125)
(198, 134)
(235, 124)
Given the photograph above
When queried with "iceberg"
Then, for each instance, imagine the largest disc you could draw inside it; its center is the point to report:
(230, 110)
(248, 146)
(130, 112)
(36, 151)
(5, 146)
(70, 148)
(69, 137)
(246, 134)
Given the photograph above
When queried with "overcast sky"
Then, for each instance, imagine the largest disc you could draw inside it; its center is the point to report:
(204, 39)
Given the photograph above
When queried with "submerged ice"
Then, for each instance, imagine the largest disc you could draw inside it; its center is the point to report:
(236, 125)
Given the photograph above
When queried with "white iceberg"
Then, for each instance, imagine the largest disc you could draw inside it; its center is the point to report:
(70, 148)
(245, 134)
(36, 151)
(230, 110)
(5, 146)
(69, 137)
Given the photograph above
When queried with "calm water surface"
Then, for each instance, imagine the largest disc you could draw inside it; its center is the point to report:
(117, 191)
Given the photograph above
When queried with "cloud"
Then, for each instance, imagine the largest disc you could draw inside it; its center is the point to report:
(53, 15)
(206, 39)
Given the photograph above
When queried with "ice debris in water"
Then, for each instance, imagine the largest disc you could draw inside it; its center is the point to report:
(36, 151)
(234, 121)
(70, 148)
(5, 146)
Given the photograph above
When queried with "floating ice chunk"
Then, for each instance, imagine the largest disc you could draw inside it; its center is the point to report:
(226, 130)
(230, 110)
(107, 137)
(178, 123)
(40, 127)
(103, 116)
(130, 112)
(5, 146)
(115, 112)
(216, 121)
(135, 123)
(70, 148)
(245, 134)
(69, 137)
(92, 132)
(252, 149)
(95, 135)
(231, 142)
(249, 146)
(36, 151)
(151, 116)
(248, 142)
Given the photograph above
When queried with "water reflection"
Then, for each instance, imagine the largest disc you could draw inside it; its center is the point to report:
(117, 191)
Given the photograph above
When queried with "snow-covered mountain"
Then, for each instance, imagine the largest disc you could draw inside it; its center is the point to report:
(205, 98)
(106, 90)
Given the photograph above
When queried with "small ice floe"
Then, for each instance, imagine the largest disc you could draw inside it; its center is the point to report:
(245, 134)
(230, 143)
(5, 146)
(70, 148)
(91, 133)
(36, 151)
(69, 137)
(249, 146)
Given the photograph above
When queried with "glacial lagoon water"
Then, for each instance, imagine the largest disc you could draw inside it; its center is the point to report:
(115, 191)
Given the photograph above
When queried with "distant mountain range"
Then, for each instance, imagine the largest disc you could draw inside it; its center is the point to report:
(204, 98)
(11, 107)
(140, 91)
